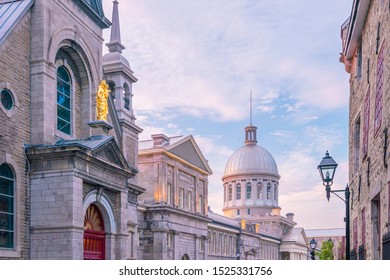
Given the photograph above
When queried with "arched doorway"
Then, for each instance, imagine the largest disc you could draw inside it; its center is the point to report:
(185, 257)
(94, 234)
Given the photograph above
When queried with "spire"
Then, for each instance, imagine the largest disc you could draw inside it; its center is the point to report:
(250, 131)
(115, 44)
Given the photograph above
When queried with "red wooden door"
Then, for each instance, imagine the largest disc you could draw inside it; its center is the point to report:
(94, 235)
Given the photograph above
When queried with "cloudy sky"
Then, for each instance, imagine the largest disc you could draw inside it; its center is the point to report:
(197, 62)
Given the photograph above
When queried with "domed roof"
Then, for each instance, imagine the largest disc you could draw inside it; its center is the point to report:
(251, 158)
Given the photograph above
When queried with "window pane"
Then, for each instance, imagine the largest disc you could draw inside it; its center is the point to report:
(63, 74)
(63, 126)
(7, 100)
(63, 100)
(6, 186)
(6, 204)
(6, 222)
(6, 171)
(6, 239)
(63, 113)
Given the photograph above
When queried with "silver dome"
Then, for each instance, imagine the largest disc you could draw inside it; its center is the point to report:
(251, 159)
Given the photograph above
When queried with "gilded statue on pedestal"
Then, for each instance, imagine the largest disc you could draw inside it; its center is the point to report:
(102, 101)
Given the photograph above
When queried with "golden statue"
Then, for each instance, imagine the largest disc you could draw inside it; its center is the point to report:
(102, 101)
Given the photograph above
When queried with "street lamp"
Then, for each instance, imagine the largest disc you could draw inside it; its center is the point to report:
(313, 244)
(327, 168)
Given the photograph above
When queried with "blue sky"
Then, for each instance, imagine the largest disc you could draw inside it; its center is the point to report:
(197, 62)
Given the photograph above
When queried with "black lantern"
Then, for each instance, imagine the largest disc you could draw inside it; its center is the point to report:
(327, 169)
(313, 244)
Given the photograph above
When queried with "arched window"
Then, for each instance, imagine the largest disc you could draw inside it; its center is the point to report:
(259, 190)
(269, 191)
(248, 191)
(238, 191)
(276, 193)
(64, 101)
(230, 193)
(7, 195)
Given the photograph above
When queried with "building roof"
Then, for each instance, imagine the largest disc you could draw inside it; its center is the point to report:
(223, 220)
(325, 232)
(10, 14)
(251, 158)
(182, 147)
(294, 235)
(101, 146)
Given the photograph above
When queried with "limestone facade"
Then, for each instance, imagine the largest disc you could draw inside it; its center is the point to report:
(56, 182)
(365, 56)
(72, 187)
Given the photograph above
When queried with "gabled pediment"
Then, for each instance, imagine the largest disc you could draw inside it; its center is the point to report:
(94, 9)
(187, 149)
(107, 149)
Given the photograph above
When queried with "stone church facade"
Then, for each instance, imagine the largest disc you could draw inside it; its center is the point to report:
(68, 188)
(73, 187)
(365, 38)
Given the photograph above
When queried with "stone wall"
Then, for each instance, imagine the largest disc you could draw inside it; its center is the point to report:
(368, 174)
(15, 126)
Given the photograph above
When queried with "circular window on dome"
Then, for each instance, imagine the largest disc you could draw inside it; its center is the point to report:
(7, 100)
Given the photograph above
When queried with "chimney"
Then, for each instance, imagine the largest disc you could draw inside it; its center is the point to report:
(160, 140)
(290, 216)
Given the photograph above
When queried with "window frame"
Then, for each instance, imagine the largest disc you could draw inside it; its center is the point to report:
(366, 123)
(12, 197)
(269, 190)
(238, 191)
(248, 191)
(379, 90)
(259, 190)
(71, 99)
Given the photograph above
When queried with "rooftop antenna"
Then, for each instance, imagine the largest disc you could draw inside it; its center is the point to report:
(250, 131)
(251, 108)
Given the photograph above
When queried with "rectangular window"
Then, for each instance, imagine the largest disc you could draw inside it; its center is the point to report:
(359, 61)
(220, 244)
(356, 145)
(169, 194)
(363, 226)
(181, 197)
(379, 90)
(259, 191)
(366, 123)
(238, 191)
(189, 200)
(225, 245)
(230, 193)
(201, 245)
(170, 239)
(201, 203)
(269, 191)
(248, 191)
(355, 234)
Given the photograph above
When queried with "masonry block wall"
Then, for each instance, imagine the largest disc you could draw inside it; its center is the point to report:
(369, 124)
(15, 128)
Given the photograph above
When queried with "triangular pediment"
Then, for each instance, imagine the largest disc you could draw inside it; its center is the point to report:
(108, 150)
(188, 150)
